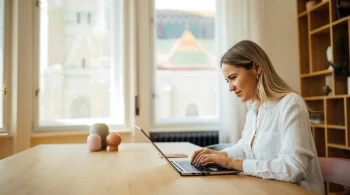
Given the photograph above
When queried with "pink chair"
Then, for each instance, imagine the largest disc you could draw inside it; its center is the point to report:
(336, 170)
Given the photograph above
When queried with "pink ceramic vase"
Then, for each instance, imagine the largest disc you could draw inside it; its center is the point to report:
(94, 142)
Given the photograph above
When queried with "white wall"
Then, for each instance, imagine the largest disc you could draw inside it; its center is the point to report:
(280, 39)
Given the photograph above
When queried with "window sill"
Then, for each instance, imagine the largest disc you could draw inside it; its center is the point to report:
(59, 130)
(186, 126)
(65, 138)
(184, 129)
(71, 134)
(5, 136)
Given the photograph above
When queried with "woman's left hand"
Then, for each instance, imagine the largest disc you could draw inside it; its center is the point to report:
(226, 162)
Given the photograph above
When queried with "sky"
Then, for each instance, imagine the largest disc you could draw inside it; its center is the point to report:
(185, 4)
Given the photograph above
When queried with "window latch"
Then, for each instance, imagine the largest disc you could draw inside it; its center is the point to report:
(4, 90)
(37, 91)
(137, 106)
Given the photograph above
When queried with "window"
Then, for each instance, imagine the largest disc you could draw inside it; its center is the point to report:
(192, 110)
(78, 17)
(80, 69)
(81, 108)
(89, 18)
(2, 67)
(185, 77)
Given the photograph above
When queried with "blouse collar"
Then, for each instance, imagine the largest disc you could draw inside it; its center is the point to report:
(266, 105)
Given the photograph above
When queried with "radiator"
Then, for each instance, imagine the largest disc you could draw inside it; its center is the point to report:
(198, 138)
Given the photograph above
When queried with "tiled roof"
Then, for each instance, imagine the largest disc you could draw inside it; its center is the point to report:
(187, 51)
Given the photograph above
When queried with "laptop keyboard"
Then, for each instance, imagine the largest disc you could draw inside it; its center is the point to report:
(187, 166)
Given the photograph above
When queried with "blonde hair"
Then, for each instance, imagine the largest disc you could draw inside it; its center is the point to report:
(244, 54)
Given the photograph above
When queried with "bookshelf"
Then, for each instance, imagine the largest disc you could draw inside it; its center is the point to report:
(318, 28)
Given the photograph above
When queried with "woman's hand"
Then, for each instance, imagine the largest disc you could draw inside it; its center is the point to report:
(197, 155)
(224, 161)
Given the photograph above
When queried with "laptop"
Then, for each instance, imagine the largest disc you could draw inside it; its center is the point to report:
(185, 168)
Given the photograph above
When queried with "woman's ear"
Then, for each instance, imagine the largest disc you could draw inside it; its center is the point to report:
(257, 68)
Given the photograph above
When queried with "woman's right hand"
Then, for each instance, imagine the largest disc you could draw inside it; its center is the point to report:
(197, 155)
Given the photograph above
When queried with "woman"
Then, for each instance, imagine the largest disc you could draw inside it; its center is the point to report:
(276, 141)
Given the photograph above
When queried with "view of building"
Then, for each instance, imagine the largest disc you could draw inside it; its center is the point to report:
(76, 74)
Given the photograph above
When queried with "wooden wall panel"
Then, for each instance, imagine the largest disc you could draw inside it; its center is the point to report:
(6, 146)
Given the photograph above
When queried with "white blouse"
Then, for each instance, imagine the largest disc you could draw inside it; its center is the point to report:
(283, 148)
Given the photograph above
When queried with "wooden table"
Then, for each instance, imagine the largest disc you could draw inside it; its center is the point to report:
(135, 169)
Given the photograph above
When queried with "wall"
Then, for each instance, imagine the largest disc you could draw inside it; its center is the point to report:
(6, 144)
(280, 39)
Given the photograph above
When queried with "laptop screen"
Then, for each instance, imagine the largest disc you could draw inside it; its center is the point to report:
(149, 139)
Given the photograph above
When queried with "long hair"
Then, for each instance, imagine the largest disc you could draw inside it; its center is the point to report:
(244, 54)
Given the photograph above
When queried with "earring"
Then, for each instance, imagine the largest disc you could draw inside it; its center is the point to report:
(257, 77)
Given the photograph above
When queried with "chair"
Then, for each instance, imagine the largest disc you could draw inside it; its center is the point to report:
(336, 170)
(219, 147)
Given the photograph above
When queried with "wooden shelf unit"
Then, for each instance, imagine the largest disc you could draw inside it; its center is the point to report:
(319, 28)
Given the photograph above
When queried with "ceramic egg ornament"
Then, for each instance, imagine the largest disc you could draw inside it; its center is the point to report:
(102, 130)
(94, 142)
(113, 141)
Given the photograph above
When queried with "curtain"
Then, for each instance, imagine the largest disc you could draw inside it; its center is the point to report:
(236, 20)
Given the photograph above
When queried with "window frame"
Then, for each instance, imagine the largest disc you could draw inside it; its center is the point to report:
(6, 68)
(120, 55)
(167, 125)
(138, 20)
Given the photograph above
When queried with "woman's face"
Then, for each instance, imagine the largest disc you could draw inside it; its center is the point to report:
(241, 81)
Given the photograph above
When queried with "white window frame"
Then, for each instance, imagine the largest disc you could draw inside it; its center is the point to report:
(7, 68)
(122, 54)
(146, 92)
